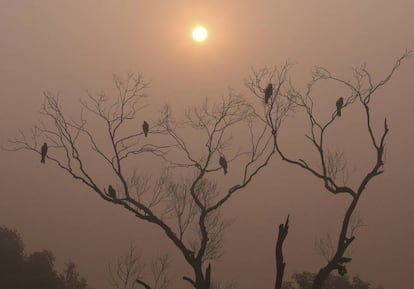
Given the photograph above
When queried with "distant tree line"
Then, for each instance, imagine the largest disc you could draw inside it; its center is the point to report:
(305, 280)
(19, 270)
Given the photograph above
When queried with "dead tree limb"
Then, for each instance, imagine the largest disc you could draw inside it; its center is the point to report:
(145, 285)
(280, 264)
(286, 98)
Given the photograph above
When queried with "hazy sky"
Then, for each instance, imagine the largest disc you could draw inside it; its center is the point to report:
(70, 46)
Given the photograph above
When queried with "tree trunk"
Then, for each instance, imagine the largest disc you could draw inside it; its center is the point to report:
(320, 278)
(280, 264)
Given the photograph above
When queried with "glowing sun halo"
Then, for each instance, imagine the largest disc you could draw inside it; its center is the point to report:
(200, 34)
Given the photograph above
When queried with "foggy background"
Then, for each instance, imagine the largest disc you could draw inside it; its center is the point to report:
(73, 46)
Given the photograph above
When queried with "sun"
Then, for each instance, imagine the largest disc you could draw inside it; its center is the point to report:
(200, 34)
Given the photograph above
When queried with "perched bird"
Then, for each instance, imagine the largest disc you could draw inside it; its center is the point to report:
(339, 104)
(43, 152)
(111, 192)
(145, 128)
(268, 92)
(223, 164)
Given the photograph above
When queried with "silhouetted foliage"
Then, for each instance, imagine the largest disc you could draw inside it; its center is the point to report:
(11, 258)
(38, 271)
(305, 280)
(34, 271)
(71, 278)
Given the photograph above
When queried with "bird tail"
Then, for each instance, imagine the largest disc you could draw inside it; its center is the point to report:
(225, 171)
(339, 112)
(42, 160)
(146, 134)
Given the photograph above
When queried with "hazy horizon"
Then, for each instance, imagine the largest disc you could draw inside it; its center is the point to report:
(70, 47)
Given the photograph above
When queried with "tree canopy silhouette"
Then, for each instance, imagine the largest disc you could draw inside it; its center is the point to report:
(304, 280)
(36, 270)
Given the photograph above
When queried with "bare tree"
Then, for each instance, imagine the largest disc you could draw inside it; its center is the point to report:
(128, 271)
(184, 200)
(331, 165)
(213, 123)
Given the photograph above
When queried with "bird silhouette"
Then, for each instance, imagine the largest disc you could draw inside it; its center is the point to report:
(268, 92)
(223, 164)
(145, 128)
(43, 152)
(339, 105)
(111, 192)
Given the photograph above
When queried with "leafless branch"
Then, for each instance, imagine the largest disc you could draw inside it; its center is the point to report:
(361, 91)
